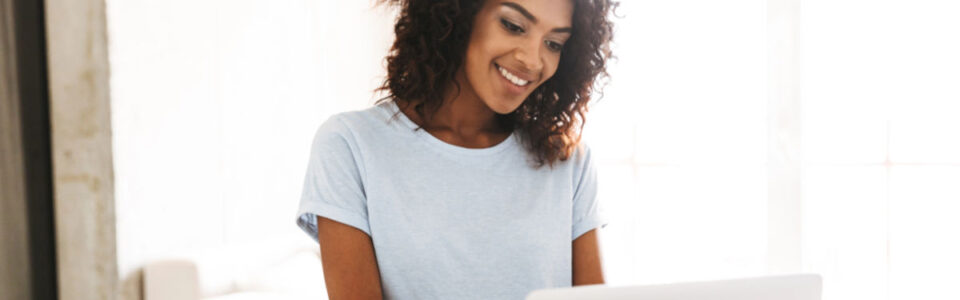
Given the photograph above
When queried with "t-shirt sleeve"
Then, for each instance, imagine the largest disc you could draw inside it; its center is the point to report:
(333, 187)
(587, 211)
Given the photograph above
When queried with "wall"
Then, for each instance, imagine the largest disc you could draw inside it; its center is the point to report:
(214, 105)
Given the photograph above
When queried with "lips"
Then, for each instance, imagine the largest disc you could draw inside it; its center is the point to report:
(512, 78)
(518, 79)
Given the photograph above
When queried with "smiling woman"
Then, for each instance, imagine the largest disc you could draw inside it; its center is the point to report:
(550, 60)
(468, 180)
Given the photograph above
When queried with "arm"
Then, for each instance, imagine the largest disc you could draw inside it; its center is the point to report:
(587, 268)
(349, 263)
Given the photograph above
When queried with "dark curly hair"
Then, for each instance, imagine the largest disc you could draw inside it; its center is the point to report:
(431, 42)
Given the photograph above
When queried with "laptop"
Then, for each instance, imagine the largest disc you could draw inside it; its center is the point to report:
(781, 287)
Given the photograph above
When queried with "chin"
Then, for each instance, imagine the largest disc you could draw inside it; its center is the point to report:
(504, 108)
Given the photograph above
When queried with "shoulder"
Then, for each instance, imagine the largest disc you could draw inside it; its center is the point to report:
(372, 117)
(581, 157)
(574, 168)
(581, 164)
(581, 152)
(352, 125)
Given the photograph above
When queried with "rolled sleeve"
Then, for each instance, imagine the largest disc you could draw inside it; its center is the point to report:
(587, 210)
(333, 185)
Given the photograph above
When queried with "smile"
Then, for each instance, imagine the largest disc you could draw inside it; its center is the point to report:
(512, 78)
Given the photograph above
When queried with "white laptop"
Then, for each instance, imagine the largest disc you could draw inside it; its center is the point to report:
(781, 287)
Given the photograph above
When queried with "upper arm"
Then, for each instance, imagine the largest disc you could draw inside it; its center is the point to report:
(587, 266)
(587, 218)
(349, 262)
(587, 212)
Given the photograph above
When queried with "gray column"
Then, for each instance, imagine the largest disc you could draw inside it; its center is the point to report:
(15, 274)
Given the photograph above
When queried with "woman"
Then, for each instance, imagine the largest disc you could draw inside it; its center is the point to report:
(468, 181)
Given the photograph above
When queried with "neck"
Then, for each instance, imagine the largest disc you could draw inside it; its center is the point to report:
(462, 113)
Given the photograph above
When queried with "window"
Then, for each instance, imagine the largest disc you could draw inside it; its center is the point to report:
(684, 135)
(681, 136)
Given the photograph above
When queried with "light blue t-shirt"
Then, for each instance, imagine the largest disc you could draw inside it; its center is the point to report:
(449, 222)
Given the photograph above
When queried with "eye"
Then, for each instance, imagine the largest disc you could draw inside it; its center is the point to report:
(511, 27)
(554, 46)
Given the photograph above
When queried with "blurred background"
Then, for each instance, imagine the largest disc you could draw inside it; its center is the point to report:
(735, 138)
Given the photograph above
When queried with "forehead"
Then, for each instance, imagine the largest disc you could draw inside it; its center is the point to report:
(549, 13)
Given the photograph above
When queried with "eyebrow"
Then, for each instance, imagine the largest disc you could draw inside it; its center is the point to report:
(528, 15)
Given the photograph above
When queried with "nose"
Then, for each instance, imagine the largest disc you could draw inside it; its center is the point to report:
(528, 53)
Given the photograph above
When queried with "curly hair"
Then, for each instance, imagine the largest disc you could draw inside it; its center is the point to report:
(430, 45)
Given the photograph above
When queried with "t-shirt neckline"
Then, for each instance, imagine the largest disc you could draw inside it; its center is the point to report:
(434, 142)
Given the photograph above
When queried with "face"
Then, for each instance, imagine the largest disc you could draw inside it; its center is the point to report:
(515, 46)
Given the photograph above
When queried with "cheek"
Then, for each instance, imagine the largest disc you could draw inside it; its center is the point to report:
(550, 69)
(477, 67)
(480, 46)
(490, 43)
(478, 55)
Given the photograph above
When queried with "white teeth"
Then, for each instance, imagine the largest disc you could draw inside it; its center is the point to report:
(516, 80)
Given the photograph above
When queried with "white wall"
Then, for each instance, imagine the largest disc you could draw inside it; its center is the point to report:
(214, 107)
(214, 104)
